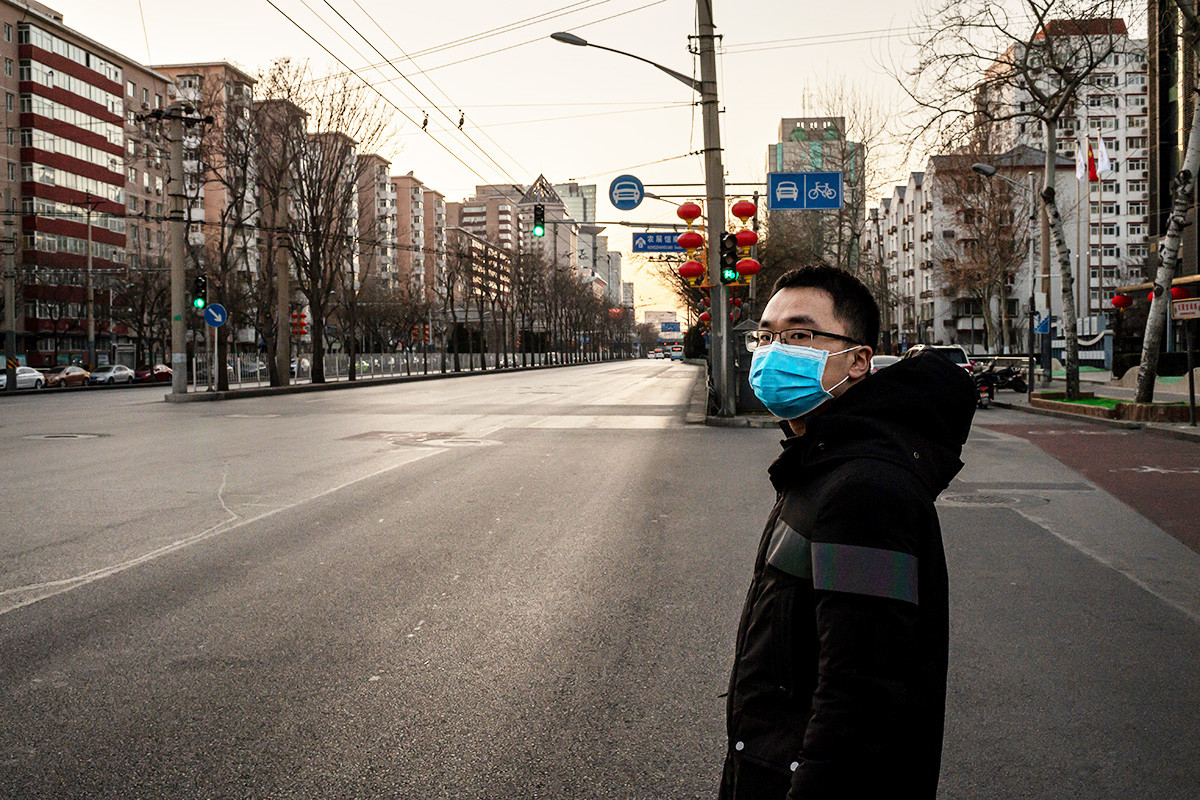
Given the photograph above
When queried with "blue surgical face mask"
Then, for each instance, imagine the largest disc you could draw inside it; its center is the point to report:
(787, 378)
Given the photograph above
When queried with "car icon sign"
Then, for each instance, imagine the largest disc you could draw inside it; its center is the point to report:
(787, 190)
(626, 192)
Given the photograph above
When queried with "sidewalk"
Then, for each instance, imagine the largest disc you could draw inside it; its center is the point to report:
(1019, 402)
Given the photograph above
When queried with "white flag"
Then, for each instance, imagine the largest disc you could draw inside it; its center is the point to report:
(1102, 163)
(1080, 161)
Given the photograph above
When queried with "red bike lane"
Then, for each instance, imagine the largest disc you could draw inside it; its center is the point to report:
(1157, 476)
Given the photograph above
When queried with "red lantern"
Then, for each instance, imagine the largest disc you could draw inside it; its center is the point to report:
(691, 269)
(744, 210)
(1180, 293)
(747, 238)
(690, 240)
(737, 301)
(1122, 301)
(688, 212)
(1150, 297)
(705, 317)
(747, 267)
(706, 301)
(733, 316)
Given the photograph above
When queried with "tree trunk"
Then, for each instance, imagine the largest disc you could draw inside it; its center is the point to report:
(1184, 187)
(318, 347)
(1063, 253)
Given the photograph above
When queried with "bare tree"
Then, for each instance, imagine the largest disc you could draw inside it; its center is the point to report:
(1184, 193)
(980, 63)
(343, 116)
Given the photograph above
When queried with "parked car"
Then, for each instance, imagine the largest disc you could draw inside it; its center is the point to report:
(27, 378)
(112, 373)
(879, 362)
(159, 373)
(59, 377)
(955, 352)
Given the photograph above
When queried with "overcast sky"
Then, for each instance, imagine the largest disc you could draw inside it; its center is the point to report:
(539, 106)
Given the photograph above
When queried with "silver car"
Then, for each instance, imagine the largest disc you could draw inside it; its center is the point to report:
(112, 373)
(27, 378)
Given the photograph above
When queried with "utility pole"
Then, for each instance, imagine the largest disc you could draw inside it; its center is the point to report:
(178, 251)
(10, 307)
(283, 295)
(714, 181)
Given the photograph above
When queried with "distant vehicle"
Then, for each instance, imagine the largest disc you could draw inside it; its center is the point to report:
(879, 362)
(112, 373)
(67, 376)
(677, 353)
(27, 378)
(787, 190)
(956, 353)
(159, 373)
(626, 191)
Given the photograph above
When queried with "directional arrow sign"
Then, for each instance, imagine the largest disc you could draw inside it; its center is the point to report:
(215, 315)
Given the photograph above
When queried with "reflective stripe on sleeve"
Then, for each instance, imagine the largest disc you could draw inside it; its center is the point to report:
(864, 570)
(788, 551)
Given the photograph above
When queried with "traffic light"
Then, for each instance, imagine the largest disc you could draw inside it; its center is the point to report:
(200, 293)
(539, 220)
(729, 258)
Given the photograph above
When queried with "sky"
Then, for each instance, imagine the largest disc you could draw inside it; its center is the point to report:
(533, 105)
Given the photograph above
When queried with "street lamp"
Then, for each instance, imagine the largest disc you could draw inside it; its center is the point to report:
(989, 171)
(714, 180)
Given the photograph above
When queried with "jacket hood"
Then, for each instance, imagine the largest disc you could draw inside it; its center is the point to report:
(916, 413)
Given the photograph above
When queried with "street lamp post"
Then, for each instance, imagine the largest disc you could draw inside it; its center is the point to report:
(714, 179)
(989, 171)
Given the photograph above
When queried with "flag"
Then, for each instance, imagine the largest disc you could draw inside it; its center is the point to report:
(1093, 176)
(1080, 165)
(1103, 164)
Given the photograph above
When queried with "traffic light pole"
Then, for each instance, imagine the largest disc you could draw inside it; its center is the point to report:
(178, 252)
(720, 352)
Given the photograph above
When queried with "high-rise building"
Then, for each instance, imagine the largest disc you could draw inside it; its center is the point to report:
(434, 205)
(377, 228)
(73, 153)
(411, 249)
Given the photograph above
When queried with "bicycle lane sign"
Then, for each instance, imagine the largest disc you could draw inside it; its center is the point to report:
(804, 190)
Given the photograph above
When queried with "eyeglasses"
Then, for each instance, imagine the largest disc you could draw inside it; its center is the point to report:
(802, 337)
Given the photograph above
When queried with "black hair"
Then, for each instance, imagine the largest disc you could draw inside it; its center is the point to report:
(853, 304)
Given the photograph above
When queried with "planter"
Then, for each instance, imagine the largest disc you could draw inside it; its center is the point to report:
(1153, 412)
(1054, 404)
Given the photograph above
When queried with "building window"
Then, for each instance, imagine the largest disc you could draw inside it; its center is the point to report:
(12, 172)
(1137, 186)
(1134, 142)
(1137, 122)
(8, 101)
(1110, 229)
(158, 101)
(8, 67)
(1137, 229)
(1110, 208)
(146, 96)
(130, 89)
(1137, 209)
(1135, 79)
(1136, 100)
(12, 137)
(7, 32)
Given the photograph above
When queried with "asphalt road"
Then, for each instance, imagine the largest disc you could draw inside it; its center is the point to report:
(520, 585)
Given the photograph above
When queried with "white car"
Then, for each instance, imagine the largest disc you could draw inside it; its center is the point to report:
(879, 362)
(27, 378)
(112, 373)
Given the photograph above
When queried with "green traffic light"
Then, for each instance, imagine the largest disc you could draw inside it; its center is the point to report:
(729, 275)
(198, 303)
(538, 230)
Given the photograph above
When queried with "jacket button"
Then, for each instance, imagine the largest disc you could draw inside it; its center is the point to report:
(740, 746)
(916, 454)
(795, 764)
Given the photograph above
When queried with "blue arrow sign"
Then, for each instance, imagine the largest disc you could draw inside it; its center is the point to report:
(626, 192)
(655, 242)
(215, 315)
(1043, 326)
(804, 190)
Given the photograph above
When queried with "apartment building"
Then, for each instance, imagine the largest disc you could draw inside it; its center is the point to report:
(926, 228)
(377, 227)
(491, 215)
(433, 203)
(411, 250)
(1113, 108)
(70, 147)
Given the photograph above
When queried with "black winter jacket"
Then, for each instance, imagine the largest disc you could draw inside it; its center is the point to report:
(839, 680)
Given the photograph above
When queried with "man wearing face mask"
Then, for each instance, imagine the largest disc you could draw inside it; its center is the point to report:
(838, 687)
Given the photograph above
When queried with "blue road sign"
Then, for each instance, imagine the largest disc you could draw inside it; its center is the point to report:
(669, 327)
(626, 192)
(804, 190)
(655, 242)
(215, 315)
(1043, 325)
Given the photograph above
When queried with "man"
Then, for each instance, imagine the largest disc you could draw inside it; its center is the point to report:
(839, 681)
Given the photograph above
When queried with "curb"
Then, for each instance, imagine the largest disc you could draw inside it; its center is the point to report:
(1192, 434)
(267, 391)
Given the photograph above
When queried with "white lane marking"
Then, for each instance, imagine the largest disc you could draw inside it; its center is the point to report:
(28, 595)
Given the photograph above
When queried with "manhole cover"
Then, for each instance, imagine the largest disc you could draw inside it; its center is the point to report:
(979, 500)
(63, 436)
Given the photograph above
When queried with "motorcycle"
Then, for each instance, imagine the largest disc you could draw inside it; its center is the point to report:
(1011, 378)
(985, 386)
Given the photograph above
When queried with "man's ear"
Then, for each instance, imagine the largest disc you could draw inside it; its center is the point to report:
(860, 367)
